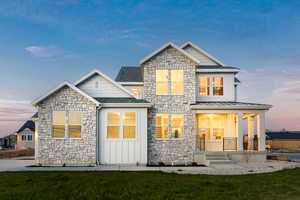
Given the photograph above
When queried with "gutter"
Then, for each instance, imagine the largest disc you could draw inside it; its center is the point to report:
(98, 135)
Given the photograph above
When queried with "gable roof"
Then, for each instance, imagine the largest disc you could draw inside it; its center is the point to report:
(65, 83)
(97, 72)
(201, 51)
(130, 74)
(28, 124)
(165, 46)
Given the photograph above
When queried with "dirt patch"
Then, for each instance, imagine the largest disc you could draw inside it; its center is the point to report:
(16, 153)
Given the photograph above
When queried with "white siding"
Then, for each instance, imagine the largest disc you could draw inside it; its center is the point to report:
(105, 88)
(131, 87)
(124, 151)
(228, 87)
(204, 60)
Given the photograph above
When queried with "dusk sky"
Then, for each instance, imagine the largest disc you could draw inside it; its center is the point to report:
(44, 42)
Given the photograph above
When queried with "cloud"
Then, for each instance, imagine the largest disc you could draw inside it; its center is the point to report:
(295, 90)
(48, 52)
(44, 52)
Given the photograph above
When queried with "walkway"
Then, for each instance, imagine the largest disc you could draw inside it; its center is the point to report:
(228, 169)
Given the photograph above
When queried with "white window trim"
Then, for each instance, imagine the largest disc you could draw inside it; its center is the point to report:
(66, 126)
(122, 113)
(170, 127)
(211, 86)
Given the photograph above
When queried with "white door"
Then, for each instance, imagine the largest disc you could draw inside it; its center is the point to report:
(123, 136)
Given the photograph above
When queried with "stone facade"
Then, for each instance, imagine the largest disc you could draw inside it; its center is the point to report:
(170, 151)
(66, 151)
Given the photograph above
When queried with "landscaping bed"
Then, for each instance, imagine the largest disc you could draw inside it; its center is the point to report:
(148, 185)
(13, 153)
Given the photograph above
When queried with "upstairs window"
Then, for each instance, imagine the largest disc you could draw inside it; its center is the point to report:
(218, 86)
(169, 82)
(177, 82)
(162, 77)
(137, 92)
(204, 86)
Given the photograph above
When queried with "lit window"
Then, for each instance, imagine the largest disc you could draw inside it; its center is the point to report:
(59, 124)
(173, 123)
(129, 125)
(162, 126)
(113, 124)
(204, 86)
(177, 82)
(177, 125)
(137, 92)
(218, 86)
(66, 124)
(162, 78)
(74, 124)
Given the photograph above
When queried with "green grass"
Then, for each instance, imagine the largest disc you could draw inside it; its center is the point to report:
(283, 185)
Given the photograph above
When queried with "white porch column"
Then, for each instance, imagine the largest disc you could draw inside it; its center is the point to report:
(251, 133)
(239, 133)
(261, 132)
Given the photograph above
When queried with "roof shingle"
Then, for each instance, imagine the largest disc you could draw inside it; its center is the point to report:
(130, 74)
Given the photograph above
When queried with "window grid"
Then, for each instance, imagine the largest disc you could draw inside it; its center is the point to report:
(170, 126)
(169, 82)
(62, 130)
(122, 126)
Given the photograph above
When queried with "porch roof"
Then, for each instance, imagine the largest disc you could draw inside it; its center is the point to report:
(228, 105)
(123, 102)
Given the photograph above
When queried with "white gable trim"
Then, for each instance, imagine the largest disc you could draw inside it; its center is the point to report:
(201, 51)
(169, 44)
(65, 83)
(92, 73)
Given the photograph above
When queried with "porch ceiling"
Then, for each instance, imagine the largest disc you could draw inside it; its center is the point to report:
(228, 105)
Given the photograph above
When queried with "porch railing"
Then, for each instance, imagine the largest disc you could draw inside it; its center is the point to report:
(224, 144)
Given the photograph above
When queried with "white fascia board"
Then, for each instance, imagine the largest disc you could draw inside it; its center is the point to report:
(201, 51)
(92, 73)
(218, 70)
(207, 107)
(131, 83)
(127, 105)
(65, 83)
(169, 44)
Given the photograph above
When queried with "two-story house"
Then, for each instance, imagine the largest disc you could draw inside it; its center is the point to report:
(178, 107)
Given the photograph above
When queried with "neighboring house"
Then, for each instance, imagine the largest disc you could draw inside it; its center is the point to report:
(283, 139)
(26, 135)
(178, 107)
(8, 141)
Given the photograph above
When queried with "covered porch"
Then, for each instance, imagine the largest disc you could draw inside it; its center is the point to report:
(229, 127)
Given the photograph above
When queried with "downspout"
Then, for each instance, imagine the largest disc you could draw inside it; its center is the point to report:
(98, 135)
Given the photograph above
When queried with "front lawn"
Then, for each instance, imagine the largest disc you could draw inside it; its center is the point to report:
(148, 185)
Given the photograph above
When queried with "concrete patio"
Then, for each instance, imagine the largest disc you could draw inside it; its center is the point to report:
(26, 164)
